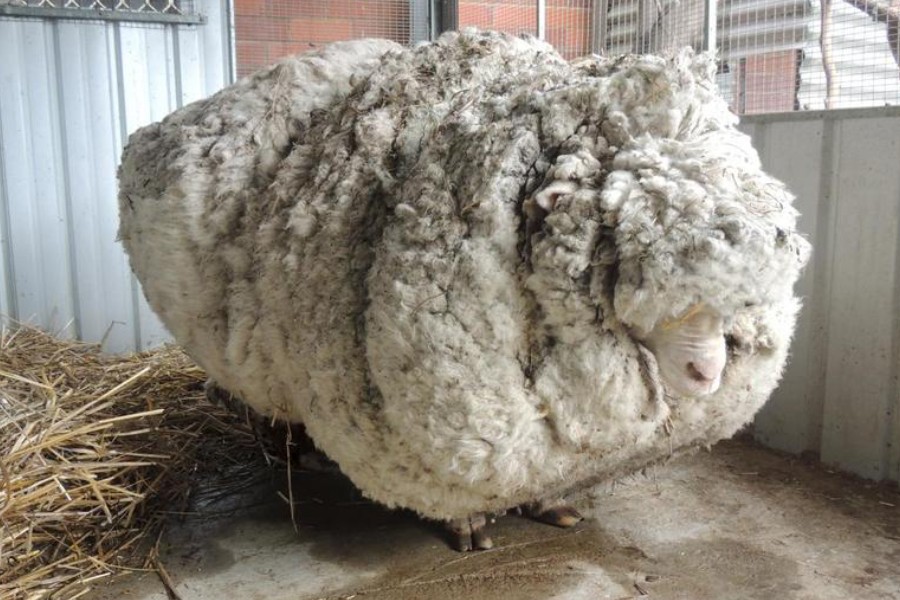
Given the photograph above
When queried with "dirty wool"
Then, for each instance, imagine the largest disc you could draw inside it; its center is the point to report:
(441, 259)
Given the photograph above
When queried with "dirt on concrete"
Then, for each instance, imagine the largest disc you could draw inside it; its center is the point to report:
(740, 522)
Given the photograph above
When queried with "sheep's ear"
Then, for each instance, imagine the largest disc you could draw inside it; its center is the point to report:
(547, 197)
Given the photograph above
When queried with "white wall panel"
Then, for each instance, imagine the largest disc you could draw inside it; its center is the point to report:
(70, 93)
(36, 203)
(102, 288)
(840, 395)
(149, 77)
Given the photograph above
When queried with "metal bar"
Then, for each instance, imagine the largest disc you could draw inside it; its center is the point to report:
(64, 183)
(231, 43)
(541, 19)
(824, 115)
(640, 44)
(449, 16)
(434, 18)
(710, 22)
(599, 24)
(99, 14)
(10, 303)
(419, 21)
(121, 100)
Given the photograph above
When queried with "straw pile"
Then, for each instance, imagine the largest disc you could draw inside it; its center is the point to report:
(96, 451)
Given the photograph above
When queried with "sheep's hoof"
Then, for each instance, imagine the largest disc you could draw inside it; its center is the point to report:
(468, 533)
(558, 513)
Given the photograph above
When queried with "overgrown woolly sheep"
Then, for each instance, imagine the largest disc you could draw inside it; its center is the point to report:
(480, 276)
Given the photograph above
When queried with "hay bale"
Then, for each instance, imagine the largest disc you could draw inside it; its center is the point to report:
(95, 452)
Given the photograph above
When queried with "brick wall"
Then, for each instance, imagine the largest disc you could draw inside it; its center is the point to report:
(567, 27)
(267, 30)
(766, 82)
(510, 16)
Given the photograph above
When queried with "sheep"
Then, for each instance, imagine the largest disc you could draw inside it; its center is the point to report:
(480, 276)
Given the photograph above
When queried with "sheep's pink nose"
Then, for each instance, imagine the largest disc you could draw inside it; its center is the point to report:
(703, 371)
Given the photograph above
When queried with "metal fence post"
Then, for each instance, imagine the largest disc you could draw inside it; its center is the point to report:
(710, 18)
(449, 16)
(542, 19)
(642, 42)
(599, 22)
(419, 21)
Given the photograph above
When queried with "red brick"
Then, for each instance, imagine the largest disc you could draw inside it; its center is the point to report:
(562, 17)
(361, 10)
(300, 8)
(515, 19)
(473, 14)
(279, 50)
(519, 3)
(261, 28)
(398, 31)
(572, 39)
(249, 7)
(576, 4)
(320, 30)
(251, 56)
(769, 82)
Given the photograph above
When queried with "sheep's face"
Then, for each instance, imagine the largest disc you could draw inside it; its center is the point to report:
(690, 352)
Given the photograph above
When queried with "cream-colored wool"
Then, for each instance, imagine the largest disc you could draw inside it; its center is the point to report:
(440, 259)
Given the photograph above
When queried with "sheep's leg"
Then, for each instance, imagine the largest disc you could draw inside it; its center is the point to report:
(221, 396)
(284, 442)
(468, 533)
(553, 512)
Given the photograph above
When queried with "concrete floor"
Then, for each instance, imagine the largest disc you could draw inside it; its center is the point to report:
(740, 522)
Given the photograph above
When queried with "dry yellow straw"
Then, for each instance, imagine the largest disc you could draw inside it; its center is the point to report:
(91, 446)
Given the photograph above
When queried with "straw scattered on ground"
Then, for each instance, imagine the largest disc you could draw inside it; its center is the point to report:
(97, 452)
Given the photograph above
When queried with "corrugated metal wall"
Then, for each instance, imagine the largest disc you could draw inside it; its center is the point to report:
(841, 393)
(70, 93)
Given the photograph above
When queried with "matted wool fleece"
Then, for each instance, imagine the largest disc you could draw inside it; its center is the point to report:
(440, 259)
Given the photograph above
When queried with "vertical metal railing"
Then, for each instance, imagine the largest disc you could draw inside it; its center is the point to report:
(431, 18)
(710, 18)
(541, 32)
(599, 26)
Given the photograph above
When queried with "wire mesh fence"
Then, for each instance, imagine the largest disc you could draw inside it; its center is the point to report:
(267, 30)
(775, 55)
(510, 16)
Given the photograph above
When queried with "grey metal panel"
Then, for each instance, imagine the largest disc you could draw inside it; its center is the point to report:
(840, 395)
(792, 419)
(70, 93)
(858, 406)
